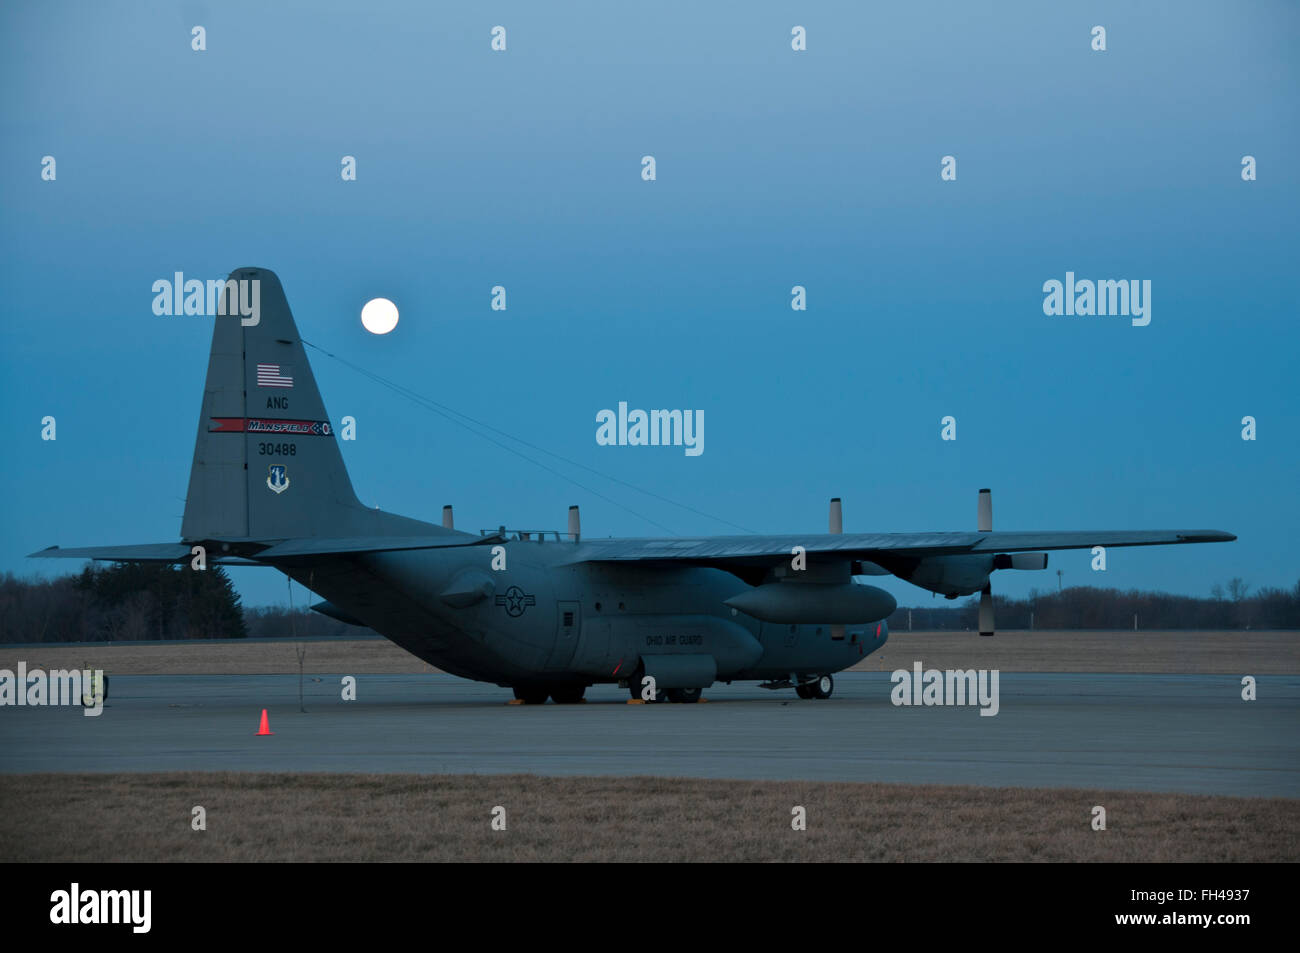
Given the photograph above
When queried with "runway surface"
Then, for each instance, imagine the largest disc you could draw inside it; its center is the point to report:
(1188, 733)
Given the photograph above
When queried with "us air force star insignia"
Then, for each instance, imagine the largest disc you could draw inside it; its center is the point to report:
(516, 600)
(277, 478)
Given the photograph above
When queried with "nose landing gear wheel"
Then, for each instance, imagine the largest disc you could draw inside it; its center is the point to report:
(822, 688)
(531, 694)
(568, 694)
(803, 691)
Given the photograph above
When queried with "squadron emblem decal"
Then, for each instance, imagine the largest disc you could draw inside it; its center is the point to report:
(277, 478)
(516, 601)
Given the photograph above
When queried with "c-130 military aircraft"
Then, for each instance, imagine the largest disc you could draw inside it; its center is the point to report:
(548, 614)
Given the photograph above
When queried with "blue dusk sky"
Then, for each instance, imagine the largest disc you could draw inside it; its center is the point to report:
(775, 168)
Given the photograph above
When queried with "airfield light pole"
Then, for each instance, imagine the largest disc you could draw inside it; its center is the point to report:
(298, 649)
(1059, 574)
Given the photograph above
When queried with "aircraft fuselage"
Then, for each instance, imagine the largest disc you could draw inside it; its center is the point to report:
(546, 617)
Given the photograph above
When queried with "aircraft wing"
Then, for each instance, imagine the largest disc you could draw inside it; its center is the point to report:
(358, 545)
(724, 551)
(1076, 539)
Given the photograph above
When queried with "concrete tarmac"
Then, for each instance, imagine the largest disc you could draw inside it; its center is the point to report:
(1185, 733)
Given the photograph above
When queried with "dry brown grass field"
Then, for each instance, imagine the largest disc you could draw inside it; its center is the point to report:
(330, 817)
(227, 657)
(1256, 653)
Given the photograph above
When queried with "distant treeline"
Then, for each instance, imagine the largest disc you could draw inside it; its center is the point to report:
(119, 603)
(1085, 607)
(147, 601)
(154, 602)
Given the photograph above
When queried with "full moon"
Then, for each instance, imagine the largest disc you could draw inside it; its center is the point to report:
(379, 316)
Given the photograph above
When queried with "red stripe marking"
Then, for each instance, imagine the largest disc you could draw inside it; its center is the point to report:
(270, 426)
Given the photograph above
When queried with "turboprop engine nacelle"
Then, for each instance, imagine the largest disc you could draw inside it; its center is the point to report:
(811, 602)
(966, 575)
(952, 575)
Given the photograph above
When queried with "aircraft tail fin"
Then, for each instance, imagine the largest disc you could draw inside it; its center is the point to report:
(267, 464)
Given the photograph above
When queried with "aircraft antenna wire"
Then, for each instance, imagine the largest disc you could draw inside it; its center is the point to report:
(451, 414)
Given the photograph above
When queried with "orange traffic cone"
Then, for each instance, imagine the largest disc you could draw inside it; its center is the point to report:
(265, 728)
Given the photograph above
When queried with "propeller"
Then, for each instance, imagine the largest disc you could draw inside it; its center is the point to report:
(836, 528)
(1030, 561)
(986, 610)
(984, 524)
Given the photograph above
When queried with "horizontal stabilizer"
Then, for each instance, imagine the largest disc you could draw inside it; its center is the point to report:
(143, 553)
(288, 549)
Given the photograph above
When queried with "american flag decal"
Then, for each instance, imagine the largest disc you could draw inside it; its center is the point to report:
(271, 375)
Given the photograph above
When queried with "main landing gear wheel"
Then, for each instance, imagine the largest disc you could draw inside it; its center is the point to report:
(531, 694)
(822, 688)
(568, 694)
(685, 695)
(634, 689)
